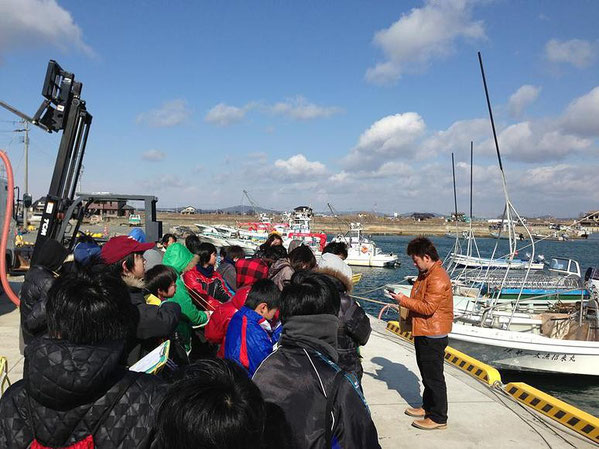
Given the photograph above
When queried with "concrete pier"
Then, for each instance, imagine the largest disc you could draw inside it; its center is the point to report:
(479, 416)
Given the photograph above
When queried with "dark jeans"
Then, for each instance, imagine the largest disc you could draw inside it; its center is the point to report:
(430, 353)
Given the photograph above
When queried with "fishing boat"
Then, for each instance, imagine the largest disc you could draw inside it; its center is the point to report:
(363, 252)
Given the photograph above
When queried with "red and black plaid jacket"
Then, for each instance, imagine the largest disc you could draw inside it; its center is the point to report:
(250, 270)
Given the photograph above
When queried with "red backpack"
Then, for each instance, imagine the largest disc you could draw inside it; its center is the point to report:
(88, 441)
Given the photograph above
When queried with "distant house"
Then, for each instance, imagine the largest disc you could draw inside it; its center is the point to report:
(421, 216)
(128, 210)
(189, 210)
(108, 208)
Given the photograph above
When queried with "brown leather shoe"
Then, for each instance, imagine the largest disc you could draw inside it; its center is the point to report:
(428, 424)
(415, 412)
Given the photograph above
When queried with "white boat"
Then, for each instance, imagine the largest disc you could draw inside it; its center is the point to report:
(363, 252)
(464, 260)
(469, 308)
(525, 351)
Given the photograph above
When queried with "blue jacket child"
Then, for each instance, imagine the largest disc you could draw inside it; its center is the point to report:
(249, 338)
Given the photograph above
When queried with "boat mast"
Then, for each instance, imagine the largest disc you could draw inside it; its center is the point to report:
(511, 231)
(455, 207)
(470, 235)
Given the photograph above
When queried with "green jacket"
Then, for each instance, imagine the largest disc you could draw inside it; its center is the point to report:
(178, 257)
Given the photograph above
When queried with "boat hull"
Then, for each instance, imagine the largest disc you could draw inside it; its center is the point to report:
(526, 352)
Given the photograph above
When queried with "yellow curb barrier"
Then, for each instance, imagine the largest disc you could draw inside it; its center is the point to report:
(475, 368)
(562, 412)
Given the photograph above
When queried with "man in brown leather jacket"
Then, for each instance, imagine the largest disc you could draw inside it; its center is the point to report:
(431, 311)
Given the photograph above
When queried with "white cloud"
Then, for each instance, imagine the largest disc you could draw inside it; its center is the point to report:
(224, 115)
(579, 53)
(422, 35)
(27, 23)
(299, 166)
(170, 113)
(536, 142)
(388, 137)
(522, 98)
(299, 108)
(153, 155)
(581, 115)
(455, 138)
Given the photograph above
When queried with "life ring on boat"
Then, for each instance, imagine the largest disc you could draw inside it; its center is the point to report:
(364, 249)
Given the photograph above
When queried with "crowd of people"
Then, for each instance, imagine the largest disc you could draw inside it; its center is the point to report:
(264, 350)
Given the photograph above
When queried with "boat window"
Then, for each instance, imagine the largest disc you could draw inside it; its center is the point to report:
(559, 264)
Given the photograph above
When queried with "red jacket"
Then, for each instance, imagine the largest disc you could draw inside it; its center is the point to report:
(211, 290)
(216, 329)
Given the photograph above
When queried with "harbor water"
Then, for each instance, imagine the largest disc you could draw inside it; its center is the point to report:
(582, 392)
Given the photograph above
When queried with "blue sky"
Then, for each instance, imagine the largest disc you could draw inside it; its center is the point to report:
(355, 103)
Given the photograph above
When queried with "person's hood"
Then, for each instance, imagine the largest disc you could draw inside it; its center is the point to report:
(138, 234)
(344, 280)
(177, 256)
(62, 375)
(240, 297)
(334, 262)
(317, 332)
(277, 266)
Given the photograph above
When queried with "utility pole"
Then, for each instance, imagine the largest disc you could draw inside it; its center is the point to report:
(25, 218)
(25, 130)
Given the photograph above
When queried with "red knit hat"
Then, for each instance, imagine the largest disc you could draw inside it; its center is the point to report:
(121, 246)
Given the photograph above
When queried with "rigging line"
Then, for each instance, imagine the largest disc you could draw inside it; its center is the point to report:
(374, 289)
(550, 425)
(371, 300)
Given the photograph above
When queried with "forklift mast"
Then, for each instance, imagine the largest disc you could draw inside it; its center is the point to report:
(62, 110)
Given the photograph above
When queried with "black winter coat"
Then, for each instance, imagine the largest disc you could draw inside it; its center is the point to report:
(293, 378)
(354, 331)
(34, 293)
(154, 323)
(70, 387)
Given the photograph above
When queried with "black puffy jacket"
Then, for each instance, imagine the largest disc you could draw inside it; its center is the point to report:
(154, 324)
(299, 376)
(34, 293)
(354, 331)
(69, 388)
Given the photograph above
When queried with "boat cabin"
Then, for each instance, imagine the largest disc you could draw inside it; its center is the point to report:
(565, 267)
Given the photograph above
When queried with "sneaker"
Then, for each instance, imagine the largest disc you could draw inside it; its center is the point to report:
(428, 424)
(415, 412)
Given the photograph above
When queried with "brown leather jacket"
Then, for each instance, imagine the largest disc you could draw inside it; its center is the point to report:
(431, 303)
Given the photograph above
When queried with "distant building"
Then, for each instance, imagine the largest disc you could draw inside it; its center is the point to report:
(109, 208)
(189, 210)
(421, 216)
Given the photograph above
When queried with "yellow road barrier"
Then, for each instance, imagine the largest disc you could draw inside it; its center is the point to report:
(475, 368)
(562, 412)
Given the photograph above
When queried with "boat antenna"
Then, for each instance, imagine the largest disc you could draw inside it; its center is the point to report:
(511, 231)
(455, 206)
